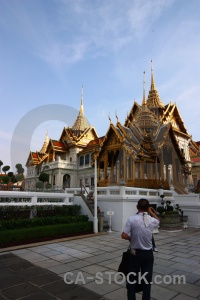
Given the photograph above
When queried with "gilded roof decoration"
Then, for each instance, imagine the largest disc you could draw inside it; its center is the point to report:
(81, 122)
(45, 145)
(154, 100)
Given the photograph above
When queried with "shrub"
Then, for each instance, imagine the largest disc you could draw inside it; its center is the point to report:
(34, 222)
(160, 209)
(28, 234)
(23, 212)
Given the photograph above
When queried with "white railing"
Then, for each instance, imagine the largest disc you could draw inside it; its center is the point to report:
(34, 198)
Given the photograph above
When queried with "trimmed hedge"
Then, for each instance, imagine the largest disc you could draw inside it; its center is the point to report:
(28, 234)
(27, 223)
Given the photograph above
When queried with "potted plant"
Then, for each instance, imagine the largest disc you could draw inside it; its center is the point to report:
(169, 217)
(184, 219)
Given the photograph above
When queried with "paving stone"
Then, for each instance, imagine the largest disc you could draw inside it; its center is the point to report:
(102, 289)
(77, 277)
(186, 255)
(40, 249)
(34, 257)
(119, 294)
(162, 262)
(79, 264)
(10, 281)
(186, 261)
(197, 271)
(58, 287)
(163, 269)
(51, 253)
(5, 272)
(189, 289)
(61, 257)
(93, 269)
(82, 255)
(6, 256)
(183, 297)
(164, 256)
(40, 296)
(19, 291)
(20, 265)
(62, 268)
(184, 267)
(189, 277)
(48, 263)
(43, 279)
(158, 292)
(80, 293)
(30, 272)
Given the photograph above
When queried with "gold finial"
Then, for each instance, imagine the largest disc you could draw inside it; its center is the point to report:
(116, 115)
(109, 118)
(144, 98)
(81, 107)
(152, 78)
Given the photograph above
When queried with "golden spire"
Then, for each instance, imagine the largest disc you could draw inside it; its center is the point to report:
(46, 142)
(144, 102)
(81, 122)
(154, 100)
(81, 107)
(153, 87)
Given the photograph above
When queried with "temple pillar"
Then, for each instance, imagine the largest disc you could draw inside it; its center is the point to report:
(105, 164)
(141, 170)
(156, 168)
(133, 169)
(112, 167)
(162, 166)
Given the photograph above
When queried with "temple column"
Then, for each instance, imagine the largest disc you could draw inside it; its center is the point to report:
(162, 166)
(105, 164)
(173, 167)
(112, 167)
(141, 170)
(156, 168)
(124, 166)
(133, 169)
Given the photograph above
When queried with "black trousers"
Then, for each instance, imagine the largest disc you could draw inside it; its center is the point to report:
(140, 263)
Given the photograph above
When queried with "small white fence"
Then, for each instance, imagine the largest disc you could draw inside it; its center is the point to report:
(12, 198)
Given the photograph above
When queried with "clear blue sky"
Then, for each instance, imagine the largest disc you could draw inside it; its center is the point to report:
(50, 48)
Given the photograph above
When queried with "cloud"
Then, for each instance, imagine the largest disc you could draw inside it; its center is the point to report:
(82, 27)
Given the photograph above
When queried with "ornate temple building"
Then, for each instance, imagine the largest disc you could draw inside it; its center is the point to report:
(195, 159)
(151, 149)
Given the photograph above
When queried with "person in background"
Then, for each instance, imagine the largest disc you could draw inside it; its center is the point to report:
(138, 230)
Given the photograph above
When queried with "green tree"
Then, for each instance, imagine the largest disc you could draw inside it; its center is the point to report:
(5, 169)
(19, 168)
(6, 179)
(44, 177)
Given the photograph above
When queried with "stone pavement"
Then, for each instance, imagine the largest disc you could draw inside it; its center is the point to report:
(40, 272)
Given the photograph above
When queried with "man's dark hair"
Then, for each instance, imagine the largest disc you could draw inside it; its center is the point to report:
(143, 204)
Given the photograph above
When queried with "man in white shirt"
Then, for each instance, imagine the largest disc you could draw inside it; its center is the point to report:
(138, 230)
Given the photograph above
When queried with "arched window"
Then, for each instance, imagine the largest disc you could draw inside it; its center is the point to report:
(81, 163)
(87, 159)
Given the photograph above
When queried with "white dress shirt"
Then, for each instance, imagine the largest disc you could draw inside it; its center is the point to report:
(140, 228)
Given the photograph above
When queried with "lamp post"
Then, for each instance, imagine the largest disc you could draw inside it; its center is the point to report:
(95, 220)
